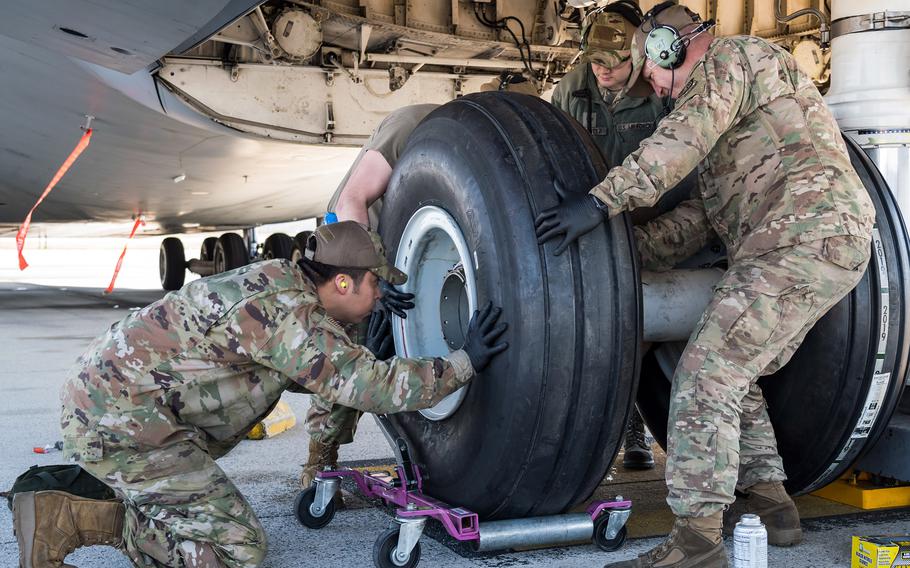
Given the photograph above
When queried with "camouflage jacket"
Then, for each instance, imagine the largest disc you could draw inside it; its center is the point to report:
(210, 360)
(617, 130)
(773, 168)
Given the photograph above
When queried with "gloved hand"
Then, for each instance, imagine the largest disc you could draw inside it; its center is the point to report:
(379, 336)
(394, 300)
(482, 333)
(575, 216)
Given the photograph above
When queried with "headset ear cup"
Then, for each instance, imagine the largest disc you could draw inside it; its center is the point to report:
(680, 54)
(664, 47)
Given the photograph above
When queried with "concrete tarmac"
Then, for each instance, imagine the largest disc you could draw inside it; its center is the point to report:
(42, 331)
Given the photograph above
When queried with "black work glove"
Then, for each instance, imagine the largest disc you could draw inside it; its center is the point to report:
(575, 216)
(379, 336)
(482, 333)
(395, 300)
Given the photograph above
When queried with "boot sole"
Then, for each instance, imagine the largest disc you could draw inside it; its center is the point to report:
(636, 466)
(24, 526)
(785, 538)
(712, 559)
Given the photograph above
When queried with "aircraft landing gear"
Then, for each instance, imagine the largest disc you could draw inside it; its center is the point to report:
(277, 245)
(299, 247)
(207, 252)
(171, 263)
(227, 252)
(230, 253)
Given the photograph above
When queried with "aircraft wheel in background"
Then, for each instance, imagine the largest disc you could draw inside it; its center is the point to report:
(299, 246)
(171, 263)
(278, 245)
(207, 252)
(230, 253)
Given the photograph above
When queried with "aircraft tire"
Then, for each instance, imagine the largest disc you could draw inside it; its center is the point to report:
(837, 394)
(207, 250)
(536, 432)
(277, 245)
(171, 264)
(299, 246)
(230, 253)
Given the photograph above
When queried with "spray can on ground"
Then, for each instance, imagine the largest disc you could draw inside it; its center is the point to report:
(750, 543)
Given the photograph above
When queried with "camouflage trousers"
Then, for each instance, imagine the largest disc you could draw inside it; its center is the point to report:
(181, 508)
(330, 423)
(719, 433)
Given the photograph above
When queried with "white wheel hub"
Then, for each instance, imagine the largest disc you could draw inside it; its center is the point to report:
(436, 258)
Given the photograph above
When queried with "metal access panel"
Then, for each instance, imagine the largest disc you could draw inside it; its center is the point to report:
(125, 36)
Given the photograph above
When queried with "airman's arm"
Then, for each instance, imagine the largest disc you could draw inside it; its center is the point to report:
(707, 107)
(324, 361)
(674, 236)
(366, 184)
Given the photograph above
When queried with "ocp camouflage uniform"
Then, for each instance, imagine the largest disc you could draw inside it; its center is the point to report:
(777, 186)
(327, 422)
(172, 387)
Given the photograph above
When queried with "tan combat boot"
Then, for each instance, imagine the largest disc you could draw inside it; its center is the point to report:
(694, 542)
(51, 524)
(320, 457)
(768, 500)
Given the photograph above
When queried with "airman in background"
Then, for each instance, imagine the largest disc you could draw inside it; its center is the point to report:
(590, 94)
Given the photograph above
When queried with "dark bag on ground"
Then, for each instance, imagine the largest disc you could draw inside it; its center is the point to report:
(66, 477)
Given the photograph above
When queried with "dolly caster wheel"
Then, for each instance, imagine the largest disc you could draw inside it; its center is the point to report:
(307, 513)
(385, 551)
(602, 532)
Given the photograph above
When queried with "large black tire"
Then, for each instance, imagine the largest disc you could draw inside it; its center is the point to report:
(230, 253)
(540, 427)
(837, 394)
(277, 245)
(207, 250)
(171, 264)
(299, 246)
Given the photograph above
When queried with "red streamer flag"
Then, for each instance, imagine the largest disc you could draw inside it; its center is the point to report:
(23, 229)
(110, 287)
